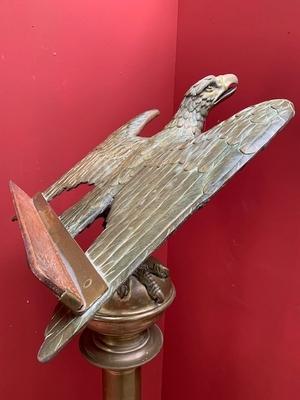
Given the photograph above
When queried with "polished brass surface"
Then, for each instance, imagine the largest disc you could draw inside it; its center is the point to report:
(123, 336)
(145, 188)
(125, 326)
(136, 306)
(122, 385)
(121, 352)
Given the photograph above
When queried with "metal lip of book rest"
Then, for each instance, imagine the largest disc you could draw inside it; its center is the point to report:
(144, 188)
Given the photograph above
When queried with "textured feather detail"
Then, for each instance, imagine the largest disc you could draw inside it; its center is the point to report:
(163, 190)
(137, 212)
(63, 326)
(101, 162)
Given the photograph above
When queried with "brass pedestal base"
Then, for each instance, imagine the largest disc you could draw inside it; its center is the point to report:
(121, 360)
(123, 337)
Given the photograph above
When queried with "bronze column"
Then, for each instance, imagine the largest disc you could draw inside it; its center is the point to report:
(123, 337)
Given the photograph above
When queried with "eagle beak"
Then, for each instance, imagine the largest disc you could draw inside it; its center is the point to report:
(228, 84)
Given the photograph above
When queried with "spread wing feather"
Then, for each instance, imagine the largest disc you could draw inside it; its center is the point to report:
(159, 197)
(175, 182)
(101, 162)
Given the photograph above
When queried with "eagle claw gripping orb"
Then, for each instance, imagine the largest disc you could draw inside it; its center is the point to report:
(145, 188)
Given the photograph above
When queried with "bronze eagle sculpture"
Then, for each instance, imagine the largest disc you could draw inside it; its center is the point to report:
(145, 188)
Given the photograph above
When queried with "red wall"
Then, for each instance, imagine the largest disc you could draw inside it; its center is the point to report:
(234, 330)
(70, 73)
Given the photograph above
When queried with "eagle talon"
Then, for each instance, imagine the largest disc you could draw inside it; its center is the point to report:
(145, 278)
(154, 267)
(124, 289)
(144, 274)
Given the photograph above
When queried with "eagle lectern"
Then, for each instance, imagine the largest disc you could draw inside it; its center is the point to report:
(144, 189)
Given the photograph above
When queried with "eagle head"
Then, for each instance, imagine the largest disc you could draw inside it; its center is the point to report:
(198, 100)
(210, 91)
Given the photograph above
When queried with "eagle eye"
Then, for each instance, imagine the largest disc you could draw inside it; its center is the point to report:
(209, 88)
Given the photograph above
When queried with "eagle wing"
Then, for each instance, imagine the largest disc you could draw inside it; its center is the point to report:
(104, 159)
(98, 168)
(176, 181)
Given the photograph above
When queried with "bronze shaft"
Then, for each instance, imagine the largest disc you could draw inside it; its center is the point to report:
(121, 385)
